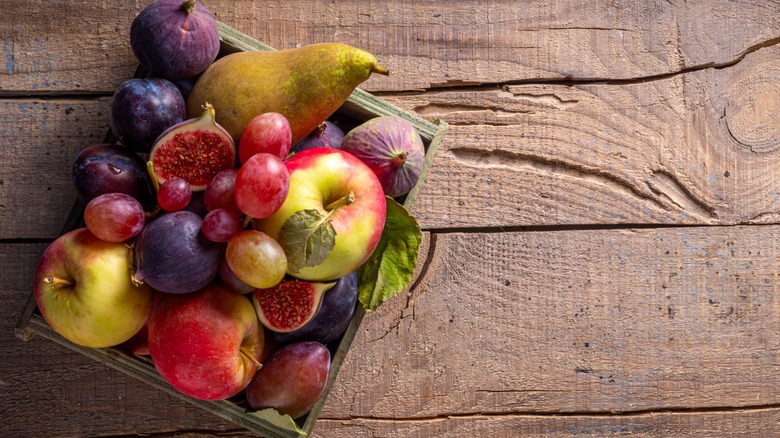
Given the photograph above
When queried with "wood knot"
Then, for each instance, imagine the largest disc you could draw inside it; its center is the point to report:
(752, 116)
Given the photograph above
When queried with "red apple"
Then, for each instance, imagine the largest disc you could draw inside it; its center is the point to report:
(83, 290)
(206, 344)
(343, 191)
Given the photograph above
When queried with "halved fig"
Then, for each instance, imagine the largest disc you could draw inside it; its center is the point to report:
(195, 150)
(289, 305)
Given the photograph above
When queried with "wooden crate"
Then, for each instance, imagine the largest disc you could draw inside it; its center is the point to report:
(359, 107)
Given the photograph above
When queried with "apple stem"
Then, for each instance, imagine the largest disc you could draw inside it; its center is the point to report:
(54, 280)
(250, 358)
(344, 200)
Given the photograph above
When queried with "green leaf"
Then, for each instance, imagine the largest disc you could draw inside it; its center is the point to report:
(307, 238)
(285, 422)
(390, 268)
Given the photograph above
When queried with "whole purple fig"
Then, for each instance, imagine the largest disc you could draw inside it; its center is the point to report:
(326, 135)
(392, 148)
(171, 255)
(175, 39)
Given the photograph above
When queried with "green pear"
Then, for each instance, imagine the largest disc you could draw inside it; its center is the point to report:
(305, 84)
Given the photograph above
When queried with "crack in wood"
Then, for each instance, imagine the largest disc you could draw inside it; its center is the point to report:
(671, 410)
(474, 157)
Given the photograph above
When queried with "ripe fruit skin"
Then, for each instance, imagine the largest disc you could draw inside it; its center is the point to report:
(174, 194)
(142, 108)
(256, 259)
(326, 135)
(171, 254)
(261, 185)
(106, 168)
(206, 344)
(332, 318)
(219, 192)
(195, 150)
(291, 380)
(83, 290)
(305, 84)
(392, 148)
(319, 177)
(289, 305)
(114, 217)
(269, 133)
(175, 39)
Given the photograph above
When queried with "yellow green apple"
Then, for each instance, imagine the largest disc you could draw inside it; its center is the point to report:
(83, 290)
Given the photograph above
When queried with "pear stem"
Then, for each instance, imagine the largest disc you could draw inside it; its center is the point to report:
(344, 200)
(55, 280)
(376, 68)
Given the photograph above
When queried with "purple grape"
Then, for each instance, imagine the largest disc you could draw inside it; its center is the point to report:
(114, 217)
(219, 192)
(174, 194)
(106, 168)
(142, 108)
(220, 225)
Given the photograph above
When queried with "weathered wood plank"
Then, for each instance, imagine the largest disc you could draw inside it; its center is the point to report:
(694, 148)
(749, 423)
(426, 44)
(574, 321)
(500, 328)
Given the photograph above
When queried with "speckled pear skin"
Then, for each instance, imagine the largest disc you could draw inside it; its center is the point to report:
(305, 84)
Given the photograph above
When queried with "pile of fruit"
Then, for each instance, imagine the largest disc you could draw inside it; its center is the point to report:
(233, 227)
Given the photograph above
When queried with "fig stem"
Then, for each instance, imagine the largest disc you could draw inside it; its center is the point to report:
(56, 280)
(344, 200)
(400, 159)
(188, 5)
(150, 170)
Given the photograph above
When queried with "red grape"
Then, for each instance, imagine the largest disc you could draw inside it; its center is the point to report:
(220, 225)
(269, 133)
(114, 217)
(261, 185)
(219, 192)
(174, 194)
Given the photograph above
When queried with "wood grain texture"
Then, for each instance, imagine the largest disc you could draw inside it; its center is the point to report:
(84, 47)
(541, 338)
(581, 321)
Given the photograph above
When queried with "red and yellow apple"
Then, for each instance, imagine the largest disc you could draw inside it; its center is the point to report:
(206, 344)
(347, 192)
(83, 290)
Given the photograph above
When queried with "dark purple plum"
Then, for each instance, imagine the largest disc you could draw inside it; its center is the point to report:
(143, 108)
(326, 135)
(171, 255)
(185, 86)
(332, 318)
(291, 380)
(175, 39)
(107, 168)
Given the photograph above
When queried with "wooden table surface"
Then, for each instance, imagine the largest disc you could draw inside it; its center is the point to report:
(602, 217)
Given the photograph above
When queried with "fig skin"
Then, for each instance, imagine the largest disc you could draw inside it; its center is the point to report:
(326, 135)
(143, 108)
(331, 319)
(172, 255)
(175, 39)
(392, 148)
